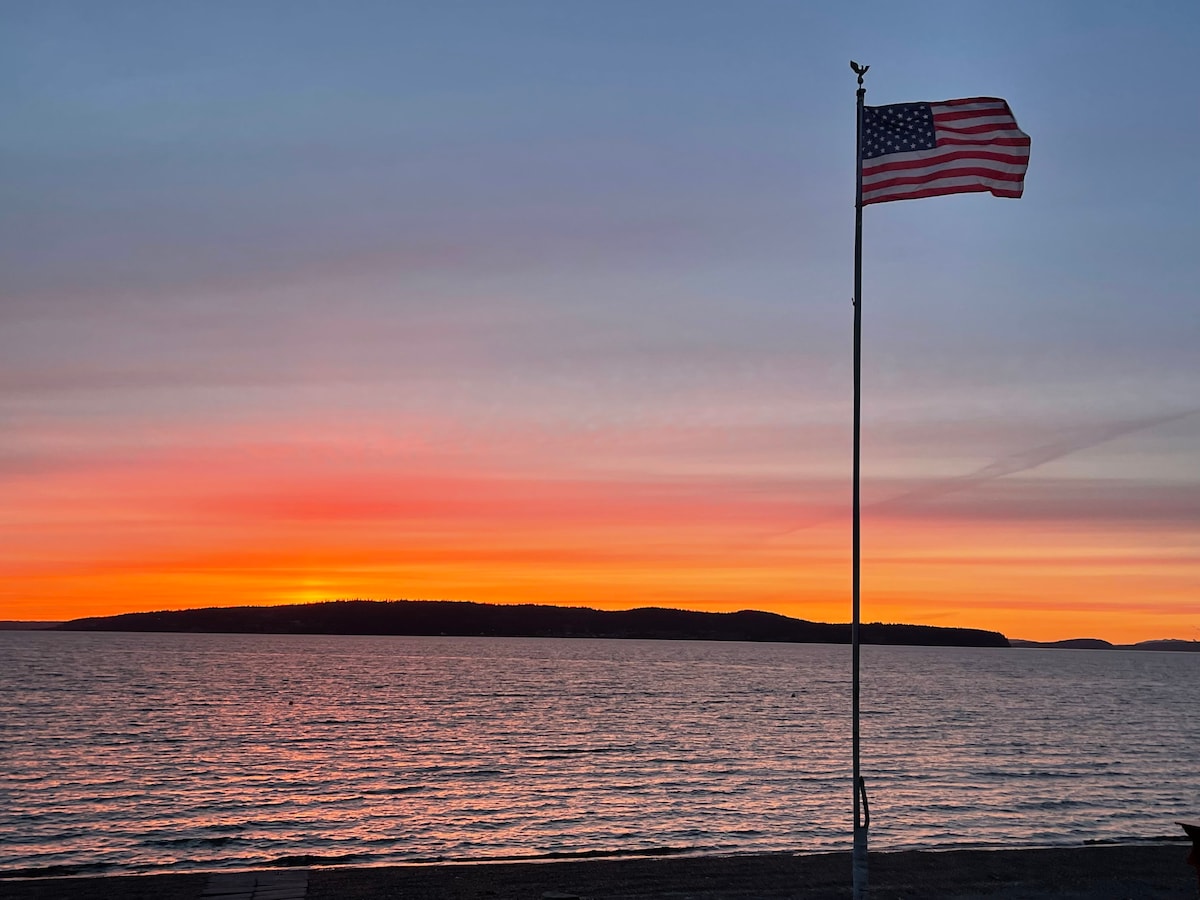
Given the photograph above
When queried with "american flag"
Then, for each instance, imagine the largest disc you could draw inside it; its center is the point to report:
(912, 150)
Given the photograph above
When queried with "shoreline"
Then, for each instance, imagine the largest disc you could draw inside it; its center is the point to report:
(1092, 872)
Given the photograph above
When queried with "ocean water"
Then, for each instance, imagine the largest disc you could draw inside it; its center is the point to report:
(158, 752)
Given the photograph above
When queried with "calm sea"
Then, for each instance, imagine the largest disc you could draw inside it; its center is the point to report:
(150, 752)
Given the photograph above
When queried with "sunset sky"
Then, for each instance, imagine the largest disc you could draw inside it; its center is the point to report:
(550, 302)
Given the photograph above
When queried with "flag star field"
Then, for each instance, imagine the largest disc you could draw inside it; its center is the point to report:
(897, 128)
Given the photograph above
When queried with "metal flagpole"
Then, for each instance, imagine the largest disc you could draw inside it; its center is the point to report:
(862, 815)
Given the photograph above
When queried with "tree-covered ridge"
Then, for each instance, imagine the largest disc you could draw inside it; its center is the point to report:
(443, 617)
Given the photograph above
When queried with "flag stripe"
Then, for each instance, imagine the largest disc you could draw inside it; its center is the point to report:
(976, 145)
(979, 128)
(944, 186)
(994, 141)
(924, 159)
(974, 103)
(954, 114)
(943, 172)
(966, 171)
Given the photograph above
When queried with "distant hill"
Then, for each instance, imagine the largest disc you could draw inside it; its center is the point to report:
(1069, 644)
(9, 625)
(439, 617)
(1097, 644)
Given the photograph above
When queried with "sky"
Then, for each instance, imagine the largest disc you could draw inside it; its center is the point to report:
(550, 302)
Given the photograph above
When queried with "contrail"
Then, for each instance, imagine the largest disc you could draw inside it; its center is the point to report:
(1023, 461)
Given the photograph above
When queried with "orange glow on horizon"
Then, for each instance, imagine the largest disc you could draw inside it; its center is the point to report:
(274, 522)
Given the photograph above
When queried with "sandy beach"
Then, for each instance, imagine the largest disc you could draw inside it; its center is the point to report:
(1143, 872)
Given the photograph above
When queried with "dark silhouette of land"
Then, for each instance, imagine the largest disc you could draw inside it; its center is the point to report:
(1171, 644)
(1069, 644)
(440, 617)
(455, 618)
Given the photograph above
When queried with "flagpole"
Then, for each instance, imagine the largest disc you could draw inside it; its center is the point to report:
(858, 860)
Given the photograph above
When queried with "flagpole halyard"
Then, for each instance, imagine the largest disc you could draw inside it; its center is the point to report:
(859, 852)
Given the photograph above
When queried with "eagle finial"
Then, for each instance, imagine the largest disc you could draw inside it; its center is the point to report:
(860, 71)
